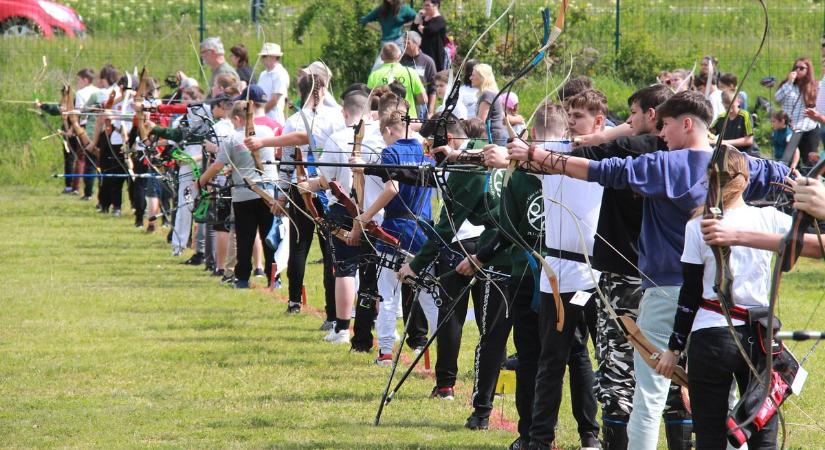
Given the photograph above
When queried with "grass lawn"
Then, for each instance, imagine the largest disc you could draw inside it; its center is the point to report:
(107, 342)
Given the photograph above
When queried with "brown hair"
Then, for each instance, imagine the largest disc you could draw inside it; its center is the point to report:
(574, 87)
(308, 86)
(226, 80)
(780, 115)
(806, 84)
(109, 73)
(736, 164)
(442, 76)
(393, 118)
(239, 110)
(591, 100)
(685, 102)
(241, 53)
(87, 74)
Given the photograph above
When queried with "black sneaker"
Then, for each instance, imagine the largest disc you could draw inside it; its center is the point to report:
(519, 444)
(195, 260)
(260, 273)
(477, 423)
(360, 349)
(138, 223)
(218, 273)
(85, 198)
(444, 393)
(293, 308)
(209, 267)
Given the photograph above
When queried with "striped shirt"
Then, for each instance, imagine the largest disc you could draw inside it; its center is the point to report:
(789, 97)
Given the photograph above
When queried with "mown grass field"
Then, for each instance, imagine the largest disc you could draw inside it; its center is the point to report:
(106, 341)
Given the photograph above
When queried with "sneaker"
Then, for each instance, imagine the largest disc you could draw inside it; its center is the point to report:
(260, 273)
(177, 252)
(477, 423)
(138, 224)
(209, 267)
(85, 198)
(444, 393)
(341, 337)
(102, 210)
(327, 325)
(228, 277)
(536, 445)
(417, 351)
(519, 444)
(116, 213)
(150, 228)
(74, 192)
(511, 363)
(195, 260)
(384, 359)
(359, 349)
(217, 273)
(293, 308)
(242, 284)
(67, 190)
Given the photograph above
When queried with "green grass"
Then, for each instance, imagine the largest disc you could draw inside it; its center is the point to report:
(108, 342)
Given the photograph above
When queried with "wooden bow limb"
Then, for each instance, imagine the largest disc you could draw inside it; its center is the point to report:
(358, 177)
(647, 350)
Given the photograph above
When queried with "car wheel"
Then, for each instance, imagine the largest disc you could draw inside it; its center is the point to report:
(19, 26)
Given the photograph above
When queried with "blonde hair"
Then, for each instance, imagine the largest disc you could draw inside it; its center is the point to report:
(551, 118)
(488, 79)
(393, 119)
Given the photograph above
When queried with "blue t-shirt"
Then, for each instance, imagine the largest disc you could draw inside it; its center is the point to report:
(411, 201)
(673, 184)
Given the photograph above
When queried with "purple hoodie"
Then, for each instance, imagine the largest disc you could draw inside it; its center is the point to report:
(673, 184)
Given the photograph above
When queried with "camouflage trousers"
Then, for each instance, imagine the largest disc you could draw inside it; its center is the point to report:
(615, 378)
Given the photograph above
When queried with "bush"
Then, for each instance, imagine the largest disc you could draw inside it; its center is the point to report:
(641, 59)
(350, 48)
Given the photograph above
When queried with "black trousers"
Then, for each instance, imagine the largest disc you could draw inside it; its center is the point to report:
(366, 307)
(251, 216)
(302, 230)
(137, 195)
(111, 162)
(489, 305)
(415, 320)
(714, 363)
(89, 169)
(560, 349)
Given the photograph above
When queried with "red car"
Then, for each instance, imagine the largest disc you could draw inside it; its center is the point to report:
(36, 17)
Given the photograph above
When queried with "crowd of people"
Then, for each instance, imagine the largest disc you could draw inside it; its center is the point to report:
(600, 222)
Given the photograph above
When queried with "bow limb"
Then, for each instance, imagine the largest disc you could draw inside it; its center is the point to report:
(358, 176)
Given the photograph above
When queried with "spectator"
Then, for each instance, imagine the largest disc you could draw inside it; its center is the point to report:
(240, 59)
(274, 81)
(713, 94)
(680, 80)
(442, 80)
(510, 103)
(392, 15)
(433, 29)
(797, 92)
(729, 82)
(425, 68)
(467, 94)
(213, 55)
(739, 129)
(781, 133)
(484, 80)
(392, 70)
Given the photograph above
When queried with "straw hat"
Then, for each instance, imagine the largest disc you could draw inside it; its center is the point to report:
(271, 49)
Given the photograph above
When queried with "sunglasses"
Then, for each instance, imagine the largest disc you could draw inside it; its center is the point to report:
(800, 68)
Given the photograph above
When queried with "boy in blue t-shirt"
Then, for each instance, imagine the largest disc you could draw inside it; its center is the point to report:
(781, 133)
(403, 205)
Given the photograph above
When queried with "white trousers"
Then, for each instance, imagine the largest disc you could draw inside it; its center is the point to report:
(183, 216)
(389, 287)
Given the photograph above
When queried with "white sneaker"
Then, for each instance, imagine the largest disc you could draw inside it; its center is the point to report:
(341, 337)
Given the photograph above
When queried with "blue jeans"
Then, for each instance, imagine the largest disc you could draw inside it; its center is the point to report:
(657, 311)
